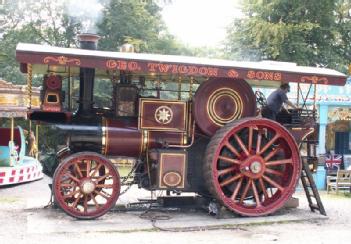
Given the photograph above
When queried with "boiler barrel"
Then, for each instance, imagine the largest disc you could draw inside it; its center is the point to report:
(121, 138)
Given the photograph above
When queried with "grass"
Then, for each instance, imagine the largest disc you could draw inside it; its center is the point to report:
(124, 170)
(339, 195)
(8, 199)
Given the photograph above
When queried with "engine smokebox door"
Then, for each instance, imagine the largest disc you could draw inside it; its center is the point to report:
(172, 165)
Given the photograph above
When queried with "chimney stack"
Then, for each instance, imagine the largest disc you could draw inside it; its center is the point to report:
(86, 88)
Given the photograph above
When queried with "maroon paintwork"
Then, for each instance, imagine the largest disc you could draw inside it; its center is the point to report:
(176, 115)
(124, 139)
(224, 105)
(162, 64)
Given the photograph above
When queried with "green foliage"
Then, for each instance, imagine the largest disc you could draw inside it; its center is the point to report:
(32, 21)
(305, 32)
(138, 23)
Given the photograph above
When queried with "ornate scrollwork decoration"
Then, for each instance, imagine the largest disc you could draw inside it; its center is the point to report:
(62, 60)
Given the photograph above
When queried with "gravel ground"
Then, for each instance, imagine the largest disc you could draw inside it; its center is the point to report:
(21, 203)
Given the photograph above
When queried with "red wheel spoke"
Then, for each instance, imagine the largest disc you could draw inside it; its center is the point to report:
(237, 188)
(258, 144)
(257, 199)
(101, 194)
(94, 200)
(96, 169)
(269, 143)
(88, 167)
(272, 154)
(67, 185)
(232, 149)
(78, 170)
(247, 187)
(85, 203)
(273, 183)
(229, 160)
(263, 188)
(241, 144)
(279, 162)
(76, 201)
(73, 178)
(106, 193)
(274, 172)
(230, 180)
(102, 177)
(104, 186)
(71, 194)
(249, 147)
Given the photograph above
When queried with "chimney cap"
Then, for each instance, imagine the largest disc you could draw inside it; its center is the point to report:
(88, 37)
(127, 48)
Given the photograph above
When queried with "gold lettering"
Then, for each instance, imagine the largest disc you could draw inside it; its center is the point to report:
(193, 70)
(251, 74)
(183, 69)
(164, 67)
(152, 67)
(133, 66)
(122, 65)
(268, 75)
(174, 69)
(203, 71)
(212, 72)
(277, 76)
(260, 75)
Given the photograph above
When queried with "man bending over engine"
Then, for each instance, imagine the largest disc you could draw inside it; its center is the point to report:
(275, 102)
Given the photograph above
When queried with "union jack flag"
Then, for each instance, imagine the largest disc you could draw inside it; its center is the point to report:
(333, 161)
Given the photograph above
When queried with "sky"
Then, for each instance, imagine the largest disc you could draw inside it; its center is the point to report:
(200, 22)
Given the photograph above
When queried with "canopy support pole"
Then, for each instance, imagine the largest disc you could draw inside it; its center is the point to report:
(12, 128)
(29, 84)
(37, 139)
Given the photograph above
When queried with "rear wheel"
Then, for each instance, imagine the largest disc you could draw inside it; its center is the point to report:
(86, 185)
(252, 166)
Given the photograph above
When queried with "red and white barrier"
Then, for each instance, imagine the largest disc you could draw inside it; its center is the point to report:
(29, 170)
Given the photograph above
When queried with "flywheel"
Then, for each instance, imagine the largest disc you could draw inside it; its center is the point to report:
(220, 101)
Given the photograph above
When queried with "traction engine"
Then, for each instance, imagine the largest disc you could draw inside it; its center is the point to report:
(211, 143)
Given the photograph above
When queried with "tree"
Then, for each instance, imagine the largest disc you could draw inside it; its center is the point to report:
(33, 21)
(304, 32)
(138, 23)
(343, 29)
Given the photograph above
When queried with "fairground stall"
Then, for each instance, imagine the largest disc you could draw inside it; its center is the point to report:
(15, 166)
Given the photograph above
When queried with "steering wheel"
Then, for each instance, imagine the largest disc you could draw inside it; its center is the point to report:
(260, 98)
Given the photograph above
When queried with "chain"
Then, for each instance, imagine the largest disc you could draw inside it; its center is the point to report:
(125, 179)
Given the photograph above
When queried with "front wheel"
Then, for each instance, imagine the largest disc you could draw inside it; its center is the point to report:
(252, 166)
(86, 185)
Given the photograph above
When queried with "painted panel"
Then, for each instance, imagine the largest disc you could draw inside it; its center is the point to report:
(162, 115)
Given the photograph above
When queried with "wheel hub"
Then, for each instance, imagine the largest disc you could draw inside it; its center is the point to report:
(255, 167)
(87, 186)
